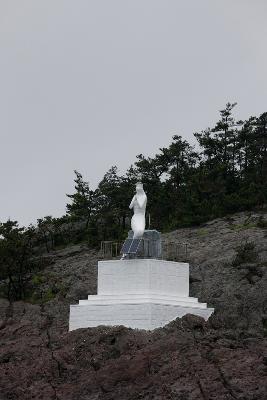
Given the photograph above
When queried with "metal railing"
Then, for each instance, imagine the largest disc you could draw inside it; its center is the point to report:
(110, 249)
(171, 251)
(174, 251)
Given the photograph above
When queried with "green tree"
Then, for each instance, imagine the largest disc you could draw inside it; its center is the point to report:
(261, 134)
(113, 197)
(17, 258)
(181, 160)
(45, 228)
(82, 201)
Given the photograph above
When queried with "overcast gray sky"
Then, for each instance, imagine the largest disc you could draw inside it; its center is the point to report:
(90, 84)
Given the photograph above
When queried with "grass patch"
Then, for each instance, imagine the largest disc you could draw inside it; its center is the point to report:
(38, 280)
(242, 227)
(41, 297)
(202, 232)
(44, 288)
(48, 295)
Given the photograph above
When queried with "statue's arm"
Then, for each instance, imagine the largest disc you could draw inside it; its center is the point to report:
(141, 202)
(132, 203)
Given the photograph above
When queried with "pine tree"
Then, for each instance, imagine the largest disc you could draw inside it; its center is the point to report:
(82, 201)
(17, 259)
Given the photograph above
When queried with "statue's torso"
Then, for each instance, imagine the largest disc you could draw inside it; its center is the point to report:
(138, 209)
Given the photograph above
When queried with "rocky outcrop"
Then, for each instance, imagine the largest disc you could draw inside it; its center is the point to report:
(225, 358)
(235, 286)
(188, 359)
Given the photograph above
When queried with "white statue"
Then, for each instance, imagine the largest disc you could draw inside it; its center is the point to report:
(138, 203)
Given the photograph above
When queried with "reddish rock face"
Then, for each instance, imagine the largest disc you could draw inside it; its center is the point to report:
(224, 359)
(188, 359)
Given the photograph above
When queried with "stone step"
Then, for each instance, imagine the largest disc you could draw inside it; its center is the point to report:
(139, 299)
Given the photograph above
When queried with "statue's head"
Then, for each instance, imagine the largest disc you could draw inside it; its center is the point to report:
(139, 187)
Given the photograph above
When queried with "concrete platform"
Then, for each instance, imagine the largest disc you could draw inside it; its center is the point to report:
(139, 293)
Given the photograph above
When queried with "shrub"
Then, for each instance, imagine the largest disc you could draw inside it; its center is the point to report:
(262, 223)
(246, 253)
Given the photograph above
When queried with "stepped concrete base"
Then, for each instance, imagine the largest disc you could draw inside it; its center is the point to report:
(143, 294)
(141, 316)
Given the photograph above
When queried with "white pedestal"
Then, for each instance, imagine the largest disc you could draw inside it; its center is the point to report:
(138, 293)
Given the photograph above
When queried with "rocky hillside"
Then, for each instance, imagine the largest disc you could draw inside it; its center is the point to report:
(189, 359)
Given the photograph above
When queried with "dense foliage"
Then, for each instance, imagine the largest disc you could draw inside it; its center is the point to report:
(17, 258)
(185, 186)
